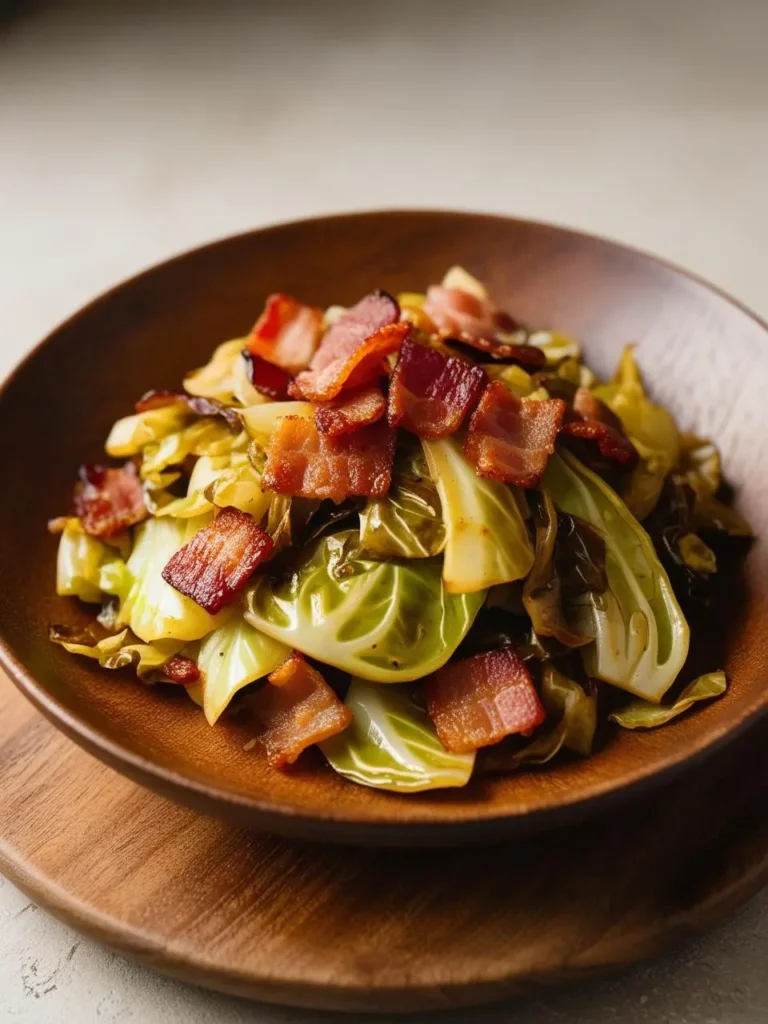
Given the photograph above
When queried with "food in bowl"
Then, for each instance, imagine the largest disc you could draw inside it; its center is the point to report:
(413, 532)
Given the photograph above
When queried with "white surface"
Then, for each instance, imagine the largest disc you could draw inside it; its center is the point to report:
(131, 131)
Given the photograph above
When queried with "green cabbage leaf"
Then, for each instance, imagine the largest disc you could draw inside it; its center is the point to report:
(387, 622)
(640, 714)
(392, 744)
(641, 635)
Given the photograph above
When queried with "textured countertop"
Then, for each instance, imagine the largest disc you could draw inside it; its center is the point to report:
(131, 131)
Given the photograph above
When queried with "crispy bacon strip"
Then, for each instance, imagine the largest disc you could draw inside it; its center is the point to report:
(297, 708)
(353, 349)
(430, 393)
(200, 406)
(108, 501)
(351, 410)
(477, 702)
(215, 565)
(511, 439)
(182, 670)
(266, 377)
(592, 420)
(478, 323)
(287, 333)
(303, 462)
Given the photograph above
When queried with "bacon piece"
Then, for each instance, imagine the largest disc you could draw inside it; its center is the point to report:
(200, 406)
(511, 439)
(305, 463)
(476, 322)
(430, 393)
(266, 377)
(216, 564)
(477, 702)
(108, 501)
(297, 708)
(182, 670)
(287, 333)
(593, 420)
(353, 349)
(351, 410)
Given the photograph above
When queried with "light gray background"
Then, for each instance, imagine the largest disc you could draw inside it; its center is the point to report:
(131, 131)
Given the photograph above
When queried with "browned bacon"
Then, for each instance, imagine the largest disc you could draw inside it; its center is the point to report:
(108, 501)
(431, 393)
(215, 565)
(303, 462)
(511, 439)
(287, 333)
(351, 410)
(478, 701)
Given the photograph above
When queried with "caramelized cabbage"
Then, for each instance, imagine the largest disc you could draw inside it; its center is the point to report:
(486, 540)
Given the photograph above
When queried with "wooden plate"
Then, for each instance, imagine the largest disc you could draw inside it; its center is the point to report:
(703, 355)
(335, 928)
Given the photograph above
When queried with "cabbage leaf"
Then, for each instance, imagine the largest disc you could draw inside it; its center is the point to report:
(131, 434)
(230, 658)
(641, 714)
(392, 744)
(388, 622)
(408, 522)
(121, 651)
(78, 562)
(652, 430)
(486, 540)
(641, 635)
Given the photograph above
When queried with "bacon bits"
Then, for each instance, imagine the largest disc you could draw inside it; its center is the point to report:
(351, 410)
(430, 393)
(108, 501)
(303, 462)
(476, 322)
(216, 564)
(181, 670)
(477, 702)
(297, 708)
(592, 420)
(511, 439)
(197, 405)
(266, 377)
(287, 333)
(353, 349)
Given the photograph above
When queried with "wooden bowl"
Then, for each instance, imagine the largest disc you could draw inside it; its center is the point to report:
(703, 355)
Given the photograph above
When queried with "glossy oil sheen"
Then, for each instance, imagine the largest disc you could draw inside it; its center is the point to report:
(701, 354)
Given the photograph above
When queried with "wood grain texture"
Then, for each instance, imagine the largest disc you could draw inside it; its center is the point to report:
(702, 354)
(390, 930)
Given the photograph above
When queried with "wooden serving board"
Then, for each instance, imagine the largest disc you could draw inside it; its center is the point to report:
(336, 928)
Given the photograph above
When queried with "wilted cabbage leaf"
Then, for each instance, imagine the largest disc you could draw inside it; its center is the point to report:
(652, 430)
(153, 609)
(79, 561)
(640, 714)
(555, 346)
(392, 744)
(408, 522)
(131, 434)
(388, 622)
(641, 635)
(486, 540)
(120, 651)
(208, 435)
(568, 563)
(699, 467)
(230, 658)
